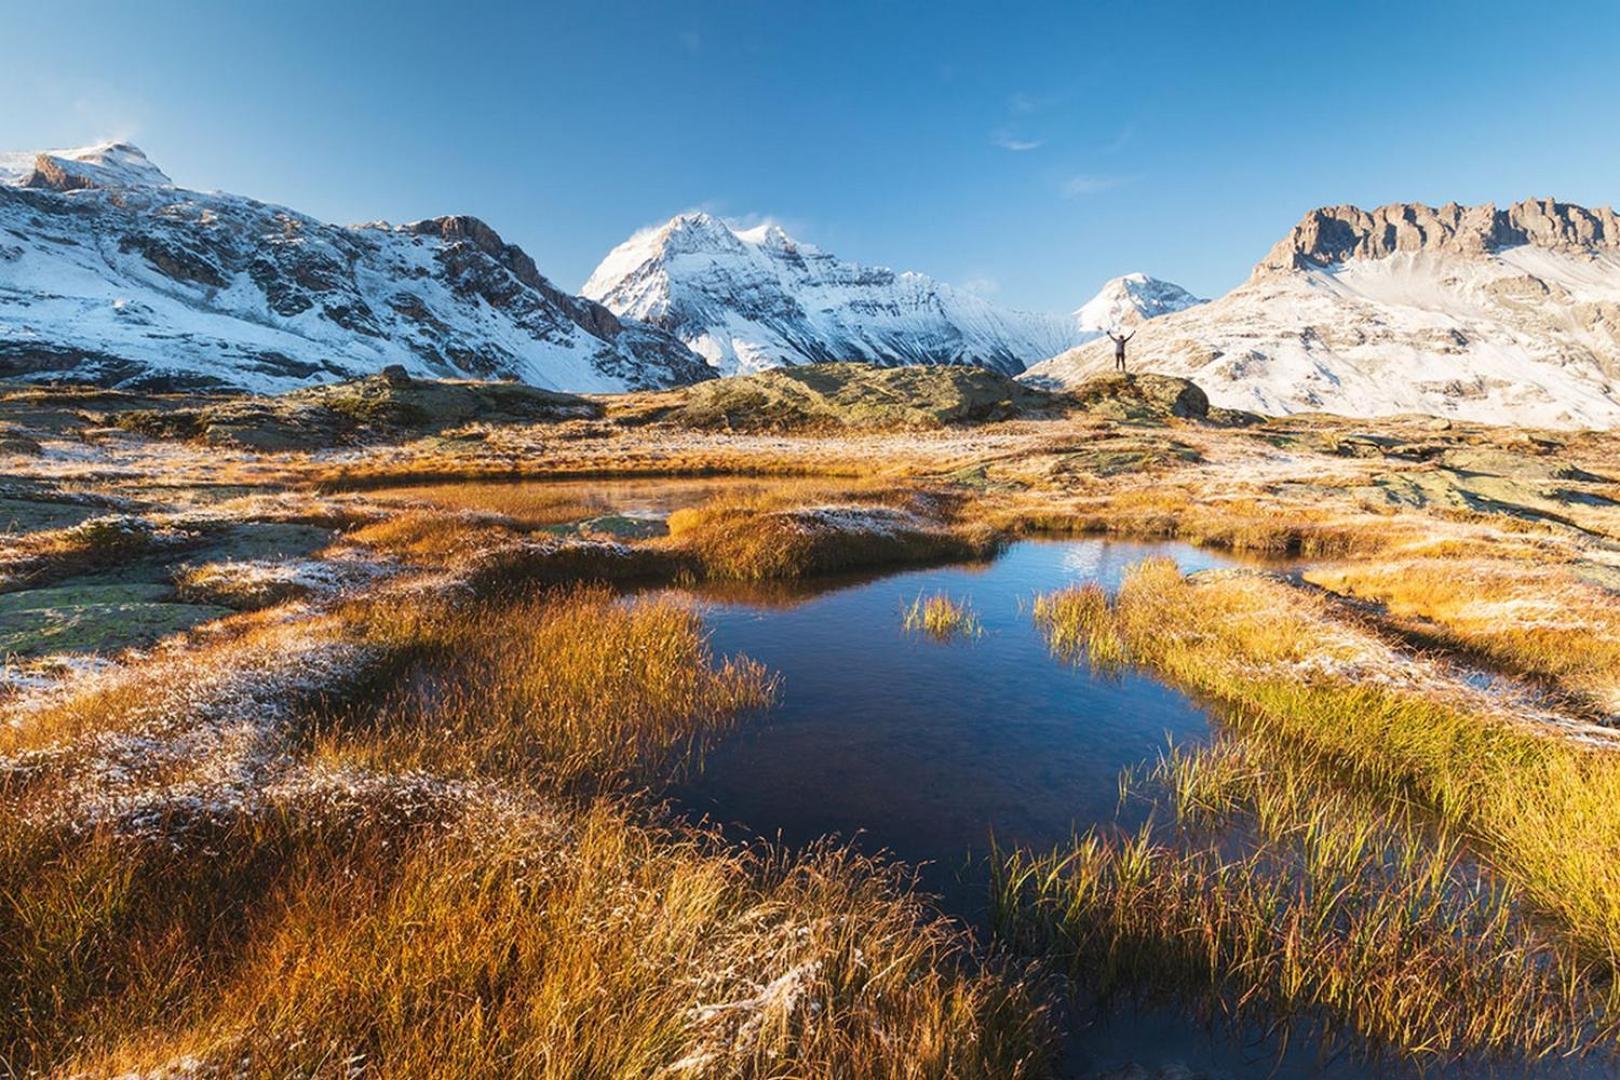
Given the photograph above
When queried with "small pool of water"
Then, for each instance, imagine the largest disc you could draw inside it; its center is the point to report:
(927, 748)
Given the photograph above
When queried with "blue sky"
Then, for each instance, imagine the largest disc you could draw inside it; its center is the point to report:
(1030, 150)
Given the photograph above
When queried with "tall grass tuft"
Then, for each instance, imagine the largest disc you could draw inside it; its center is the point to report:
(572, 687)
(1316, 910)
(942, 617)
(1078, 624)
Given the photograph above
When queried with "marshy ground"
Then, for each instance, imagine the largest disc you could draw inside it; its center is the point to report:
(339, 735)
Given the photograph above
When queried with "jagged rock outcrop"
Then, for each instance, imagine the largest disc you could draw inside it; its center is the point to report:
(1499, 315)
(111, 274)
(1336, 234)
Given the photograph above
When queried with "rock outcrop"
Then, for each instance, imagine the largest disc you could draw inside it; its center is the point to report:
(1337, 234)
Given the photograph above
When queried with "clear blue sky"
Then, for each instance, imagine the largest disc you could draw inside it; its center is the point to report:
(1033, 150)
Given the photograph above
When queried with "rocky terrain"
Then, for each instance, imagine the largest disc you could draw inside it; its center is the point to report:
(1495, 315)
(110, 274)
(752, 299)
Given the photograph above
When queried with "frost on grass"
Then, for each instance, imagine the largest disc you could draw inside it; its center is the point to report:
(251, 584)
(198, 732)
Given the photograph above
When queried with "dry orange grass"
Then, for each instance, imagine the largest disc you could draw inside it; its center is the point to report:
(773, 538)
(571, 688)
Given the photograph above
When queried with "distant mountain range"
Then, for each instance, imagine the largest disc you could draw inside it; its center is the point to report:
(750, 299)
(1498, 315)
(111, 274)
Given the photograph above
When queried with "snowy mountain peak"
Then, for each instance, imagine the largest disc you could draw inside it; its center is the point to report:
(104, 165)
(749, 299)
(1127, 300)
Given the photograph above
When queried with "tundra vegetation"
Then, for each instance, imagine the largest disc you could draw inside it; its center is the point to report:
(361, 773)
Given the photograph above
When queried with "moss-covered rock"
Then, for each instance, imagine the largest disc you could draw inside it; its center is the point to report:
(82, 618)
(845, 396)
(1140, 397)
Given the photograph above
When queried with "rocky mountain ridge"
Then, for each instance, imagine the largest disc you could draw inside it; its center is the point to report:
(1336, 234)
(111, 274)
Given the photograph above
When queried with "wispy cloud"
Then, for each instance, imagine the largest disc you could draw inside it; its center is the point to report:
(982, 285)
(1009, 141)
(1088, 184)
(1117, 143)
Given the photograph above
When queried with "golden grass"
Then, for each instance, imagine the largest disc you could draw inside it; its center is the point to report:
(1541, 621)
(597, 946)
(1078, 624)
(1545, 808)
(1335, 913)
(569, 688)
(755, 539)
(942, 617)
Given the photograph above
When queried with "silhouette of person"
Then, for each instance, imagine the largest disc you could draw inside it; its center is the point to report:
(1119, 347)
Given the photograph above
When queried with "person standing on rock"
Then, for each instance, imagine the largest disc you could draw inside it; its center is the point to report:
(1119, 348)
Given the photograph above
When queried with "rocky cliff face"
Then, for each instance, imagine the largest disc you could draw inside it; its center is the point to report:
(1503, 316)
(748, 300)
(1337, 234)
(110, 274)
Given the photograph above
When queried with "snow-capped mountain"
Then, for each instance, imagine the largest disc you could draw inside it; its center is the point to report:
(1130, 300)
(1498, 315)
(750, 299)
(111, 274)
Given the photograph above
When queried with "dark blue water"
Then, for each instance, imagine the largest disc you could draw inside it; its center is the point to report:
(925, 748)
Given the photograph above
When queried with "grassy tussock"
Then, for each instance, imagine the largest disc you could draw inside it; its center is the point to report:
(942, 617)
(1078, 624)
(606, 948)
(243, 586)
(436, 536)
(1540, 621)
(1545, 808)
(757, 539)
(573, 688)
(1336, 913)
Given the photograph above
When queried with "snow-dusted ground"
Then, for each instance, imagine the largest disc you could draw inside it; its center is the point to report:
(109, 273)
(750, 299)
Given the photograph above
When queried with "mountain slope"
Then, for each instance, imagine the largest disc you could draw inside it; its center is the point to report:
(753, 299)
(110, 274)
(1502, 316)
